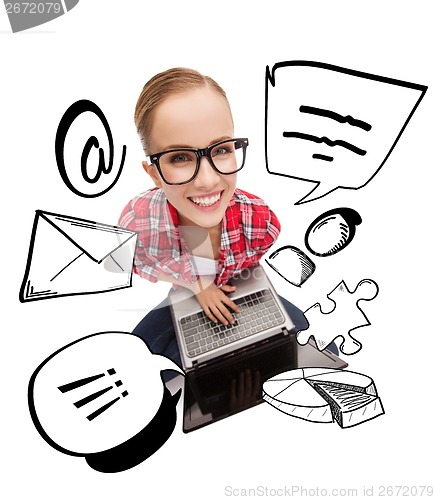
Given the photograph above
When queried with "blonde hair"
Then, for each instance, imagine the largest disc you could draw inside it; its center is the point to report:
(159, 87)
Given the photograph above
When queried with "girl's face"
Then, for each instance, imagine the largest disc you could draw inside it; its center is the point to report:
(194, 119)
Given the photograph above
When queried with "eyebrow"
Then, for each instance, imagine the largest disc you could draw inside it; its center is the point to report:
(185, 146)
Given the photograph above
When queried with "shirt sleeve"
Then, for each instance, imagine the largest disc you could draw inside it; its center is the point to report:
(271, 228)
(144, 264)
(257, 225)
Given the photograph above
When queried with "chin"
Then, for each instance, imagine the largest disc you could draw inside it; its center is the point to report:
(208, 220)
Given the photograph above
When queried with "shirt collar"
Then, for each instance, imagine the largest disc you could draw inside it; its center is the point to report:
(173, 214)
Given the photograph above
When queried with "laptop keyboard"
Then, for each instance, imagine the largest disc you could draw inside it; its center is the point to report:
(258, 312)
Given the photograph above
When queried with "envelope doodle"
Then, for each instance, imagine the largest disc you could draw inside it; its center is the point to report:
(72, 256)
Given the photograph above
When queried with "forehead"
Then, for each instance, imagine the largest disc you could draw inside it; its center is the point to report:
(195, 118)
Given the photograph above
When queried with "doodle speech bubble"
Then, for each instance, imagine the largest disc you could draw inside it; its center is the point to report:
(332, 126)
(98, 393)
(25, 15)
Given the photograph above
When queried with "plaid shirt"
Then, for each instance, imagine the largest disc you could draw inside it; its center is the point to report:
(249, 228)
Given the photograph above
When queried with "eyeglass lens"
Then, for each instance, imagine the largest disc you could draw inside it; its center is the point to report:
(179, 166)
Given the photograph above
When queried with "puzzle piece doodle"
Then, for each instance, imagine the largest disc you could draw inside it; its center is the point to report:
(344, 318)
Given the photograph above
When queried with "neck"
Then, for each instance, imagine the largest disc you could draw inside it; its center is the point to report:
(201, 241)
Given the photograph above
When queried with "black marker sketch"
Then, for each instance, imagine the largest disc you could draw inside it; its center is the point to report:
(144, 444)
(332, 231)
(71, 256)
(335, 116)
(91, 397)
(102, 397)
(333, 126)
(291, 264)
(324, 395)
(25, 15)
(345, 317)
(67, 120)
(320, 140)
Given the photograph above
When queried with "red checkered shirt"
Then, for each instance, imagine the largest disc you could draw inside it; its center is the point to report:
(249, 228)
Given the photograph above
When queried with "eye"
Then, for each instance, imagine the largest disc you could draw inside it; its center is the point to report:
(181, 158)
(223, 149)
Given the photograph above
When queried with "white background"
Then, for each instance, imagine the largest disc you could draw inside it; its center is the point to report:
(105, 51)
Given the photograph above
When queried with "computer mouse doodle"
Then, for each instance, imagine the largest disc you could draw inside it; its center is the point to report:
(332, 231)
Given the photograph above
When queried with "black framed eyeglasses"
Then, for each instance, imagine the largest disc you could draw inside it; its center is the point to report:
(180, 166)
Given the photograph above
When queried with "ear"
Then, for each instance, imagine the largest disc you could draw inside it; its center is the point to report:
(151, 170)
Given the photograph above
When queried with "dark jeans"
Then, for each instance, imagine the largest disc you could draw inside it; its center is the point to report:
(157, 330)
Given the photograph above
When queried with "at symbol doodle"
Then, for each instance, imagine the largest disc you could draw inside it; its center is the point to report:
(65, 123)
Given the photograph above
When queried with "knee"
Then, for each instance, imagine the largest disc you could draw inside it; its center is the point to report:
(297, 316)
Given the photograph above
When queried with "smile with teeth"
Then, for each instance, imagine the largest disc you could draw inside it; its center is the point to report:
(205, 201)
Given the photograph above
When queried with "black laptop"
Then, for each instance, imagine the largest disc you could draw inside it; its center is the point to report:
(234, 384)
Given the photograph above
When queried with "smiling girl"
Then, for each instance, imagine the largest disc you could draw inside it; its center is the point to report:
(196, 229)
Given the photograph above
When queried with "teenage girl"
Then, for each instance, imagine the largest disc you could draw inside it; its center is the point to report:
(196, 229)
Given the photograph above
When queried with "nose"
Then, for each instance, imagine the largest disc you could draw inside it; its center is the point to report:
(207, 176)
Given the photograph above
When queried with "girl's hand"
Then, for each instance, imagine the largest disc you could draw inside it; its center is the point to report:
(214, 302)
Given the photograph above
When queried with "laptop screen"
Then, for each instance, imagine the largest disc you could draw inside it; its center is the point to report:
(235, 384)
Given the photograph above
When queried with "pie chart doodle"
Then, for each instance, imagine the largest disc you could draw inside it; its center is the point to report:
(324, 395)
